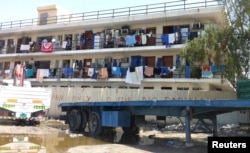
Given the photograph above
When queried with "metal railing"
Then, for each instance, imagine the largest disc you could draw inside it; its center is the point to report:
(177, 5)
(115, 42)
(82, 73)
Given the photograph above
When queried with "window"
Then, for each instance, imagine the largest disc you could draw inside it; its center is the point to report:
(43, 18)
(134, 87)
(97, 87)
(148, 88)
(85, 86)
(166, 88)
(182, 88)
(123, 87)
(197, 88)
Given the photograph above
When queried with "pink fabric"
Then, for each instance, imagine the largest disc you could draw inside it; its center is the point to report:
(47, 47)
(39, 78)
(149, 71)
(19, 73)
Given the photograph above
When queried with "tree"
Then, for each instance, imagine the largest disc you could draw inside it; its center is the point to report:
(239, 14)
(228, 44)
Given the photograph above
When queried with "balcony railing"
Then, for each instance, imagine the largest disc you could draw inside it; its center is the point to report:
(177, 5)
(102, 43)
(203, 71)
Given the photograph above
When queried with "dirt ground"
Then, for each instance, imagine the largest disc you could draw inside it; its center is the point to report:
(160, 145)
(164, 141)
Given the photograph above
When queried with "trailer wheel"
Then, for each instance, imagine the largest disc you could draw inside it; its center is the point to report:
(74, 120)
(94, 123)
(84, 119)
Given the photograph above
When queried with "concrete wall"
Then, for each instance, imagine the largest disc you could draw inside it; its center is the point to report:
(89, 95)
(236, 117)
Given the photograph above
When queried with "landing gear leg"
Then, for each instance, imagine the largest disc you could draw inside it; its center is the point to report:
(214, 123)
(187, 127)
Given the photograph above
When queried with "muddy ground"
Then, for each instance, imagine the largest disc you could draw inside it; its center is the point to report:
(164, 141)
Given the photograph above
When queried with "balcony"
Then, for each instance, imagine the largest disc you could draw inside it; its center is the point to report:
(168, 7)
(100, 44)
(118, 73)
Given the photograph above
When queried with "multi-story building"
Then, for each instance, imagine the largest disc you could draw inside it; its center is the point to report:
(102, 49)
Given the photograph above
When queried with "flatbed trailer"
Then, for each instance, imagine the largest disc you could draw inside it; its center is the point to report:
(127, 114)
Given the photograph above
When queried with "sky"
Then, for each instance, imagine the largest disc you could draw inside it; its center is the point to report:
(27, 9)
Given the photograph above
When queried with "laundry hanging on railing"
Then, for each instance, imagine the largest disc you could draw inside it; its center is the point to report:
(130, 40)
(41, 73)
(24, 47)
(47, 47)
(149, 71)
(168, 39)
(19, 73)
(134, 75)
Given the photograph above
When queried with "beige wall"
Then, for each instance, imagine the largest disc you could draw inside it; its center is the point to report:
(89, 95)
(52, 13)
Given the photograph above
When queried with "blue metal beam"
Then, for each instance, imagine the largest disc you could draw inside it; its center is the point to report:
(181, 103)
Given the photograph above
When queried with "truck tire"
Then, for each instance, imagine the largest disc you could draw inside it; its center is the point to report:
(74, 120)
(84, 120)
(94, 124)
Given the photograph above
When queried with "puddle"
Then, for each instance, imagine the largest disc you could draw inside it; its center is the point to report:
(60, 143)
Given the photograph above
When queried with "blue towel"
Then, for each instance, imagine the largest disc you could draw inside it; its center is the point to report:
(130, 40)
(29, 72)
(165, 40)
(187, 72)
(124, 72)
(116, 70)
(164, 71)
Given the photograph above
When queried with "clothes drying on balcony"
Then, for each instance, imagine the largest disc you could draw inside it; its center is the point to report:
(67, 72)
(168, 39)
(116, 70)
(103, 73)
(47, 47)
(164, 71)
(64, 43)
(25, 47)
(29, 73)
(207, 74)
(130, 40)
(41, 73)
(97, 41)
(187, 72)
(149, 71)
(133, 76)
(91, 72)
(123, 72)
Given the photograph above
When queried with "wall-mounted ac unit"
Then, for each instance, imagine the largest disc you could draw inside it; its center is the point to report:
(197, 26)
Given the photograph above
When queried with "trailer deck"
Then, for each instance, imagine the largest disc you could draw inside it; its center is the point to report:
(190, 109)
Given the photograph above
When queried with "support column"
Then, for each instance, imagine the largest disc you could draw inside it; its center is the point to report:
(214, 124)
(187, 127)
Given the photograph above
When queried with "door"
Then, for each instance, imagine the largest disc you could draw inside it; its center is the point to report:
(168, 29)
(10, 46)
(150, 62)
(7, 70)
(86, 66)
(168, 62)
(19, 42)
(151, 36)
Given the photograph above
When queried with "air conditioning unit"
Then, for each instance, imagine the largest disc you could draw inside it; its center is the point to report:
(197, 26)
